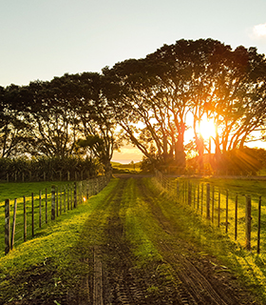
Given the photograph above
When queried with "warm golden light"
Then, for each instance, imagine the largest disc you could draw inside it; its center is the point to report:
(207, 128)
(84, 199)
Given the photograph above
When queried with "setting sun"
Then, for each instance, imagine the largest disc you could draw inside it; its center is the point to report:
(207, 129)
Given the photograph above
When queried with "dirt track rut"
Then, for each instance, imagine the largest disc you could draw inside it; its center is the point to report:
(193, 279)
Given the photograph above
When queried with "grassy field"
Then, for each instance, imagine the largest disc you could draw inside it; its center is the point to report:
(63, 247)
(16, 191)
(238, 189)
(126, 168)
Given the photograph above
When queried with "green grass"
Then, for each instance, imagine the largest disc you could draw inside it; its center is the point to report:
(64, 245)
(235, 187)
(54, 247)
(18, 190)
(126, 168)
(247, 266)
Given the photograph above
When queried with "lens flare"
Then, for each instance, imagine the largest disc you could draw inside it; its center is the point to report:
(207, 129)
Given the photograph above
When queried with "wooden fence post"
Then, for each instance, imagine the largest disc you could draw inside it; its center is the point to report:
(46, 206)
(68, 197)
(75, 194)
(25, 218)
(194, 196)
(198, 196)
(219, 208)
(40, 209)
(189, 193)
(60, 201)
(53, 203)
(57, 201)
(14, 224)
(212, 203)
(236, 216)
(202, 189)
(7, 226)
(71, 196)
(226, 216)
(259, 225)
(64, 198)
(208, 201)
(81, 192)
(32, 215)
(248, 222)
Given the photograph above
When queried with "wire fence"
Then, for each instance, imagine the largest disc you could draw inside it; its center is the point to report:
(24, 216)
(240, 215)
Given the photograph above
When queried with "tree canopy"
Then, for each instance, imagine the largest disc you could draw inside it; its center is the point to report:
(153, 100)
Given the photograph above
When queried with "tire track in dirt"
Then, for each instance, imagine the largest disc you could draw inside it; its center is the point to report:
(121, 284)
(194, 279)
(200, 284)
(124, 283)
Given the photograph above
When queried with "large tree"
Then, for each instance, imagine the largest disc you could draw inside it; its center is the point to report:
(14, 121)
(97, 126)
(203, 77)
(55, 123)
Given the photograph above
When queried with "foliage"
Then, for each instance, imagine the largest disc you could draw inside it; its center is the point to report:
(43, 168)
(150, 99)
(204, 78)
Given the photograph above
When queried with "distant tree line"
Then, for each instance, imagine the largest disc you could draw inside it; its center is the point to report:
(47, 169)
(149, 99)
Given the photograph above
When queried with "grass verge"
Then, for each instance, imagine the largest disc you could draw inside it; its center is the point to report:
(51, 256)
(247, 266)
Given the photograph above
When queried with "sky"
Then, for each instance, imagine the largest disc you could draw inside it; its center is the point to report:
(41, 39)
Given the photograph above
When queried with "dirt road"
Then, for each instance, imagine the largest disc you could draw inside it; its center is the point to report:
(175, 274)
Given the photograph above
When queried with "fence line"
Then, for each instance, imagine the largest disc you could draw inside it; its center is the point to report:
(220, 208)
(58, 201)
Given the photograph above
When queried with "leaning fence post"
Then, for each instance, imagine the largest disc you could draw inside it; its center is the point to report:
(248, 222)
(259, 225)
(14, 224)
(7, 226)
(208, 201)
(53, 203)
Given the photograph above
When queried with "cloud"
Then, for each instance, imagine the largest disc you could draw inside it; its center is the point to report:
(259, 31)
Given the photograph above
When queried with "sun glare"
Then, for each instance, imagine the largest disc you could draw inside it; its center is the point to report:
(207, 129)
